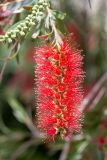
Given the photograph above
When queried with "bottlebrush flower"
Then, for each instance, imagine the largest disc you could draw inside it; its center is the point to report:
(58, 78)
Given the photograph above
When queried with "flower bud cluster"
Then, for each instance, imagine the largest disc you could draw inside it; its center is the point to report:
(25, 26)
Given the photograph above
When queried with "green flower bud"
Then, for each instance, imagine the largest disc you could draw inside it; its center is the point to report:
(27, 22)
(22, 24)
(41, 7)
(41, 13)
(45, 4)
(22, 33)
(6, 36)
(32, 23)
(29, 16)
(25, 27)
(34, 12)
(41, 2)
(1, 38)
(17, 30)
(9, 40)
(19, 27)
(13, 35)
(35, 7)
(37, 14)
(9, 33)
(33, 18)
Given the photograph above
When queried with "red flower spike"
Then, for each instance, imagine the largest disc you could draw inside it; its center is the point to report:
(59, 76)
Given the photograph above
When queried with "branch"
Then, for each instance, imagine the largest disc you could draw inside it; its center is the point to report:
(86, 101)
(66, 149)
(23, 148)
(89, 1)
(51, 20)
(6, 61)
(98, 97)
(35, 133)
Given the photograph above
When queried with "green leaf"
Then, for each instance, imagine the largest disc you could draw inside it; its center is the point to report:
(15, 25)
(16, 55)
(59, 15)
(18, 110)
(36, 34)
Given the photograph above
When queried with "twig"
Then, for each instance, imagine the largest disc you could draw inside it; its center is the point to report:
(66, 149)
(90, 3)
(32, 128)
(6, 61)
(98, 97)
(23, 148)
(86, 101)
(84, 105)
(58, 40)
